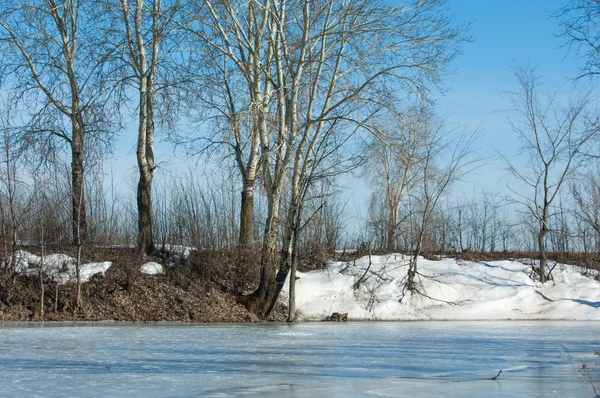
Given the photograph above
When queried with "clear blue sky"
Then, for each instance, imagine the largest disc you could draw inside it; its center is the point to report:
(504, 32)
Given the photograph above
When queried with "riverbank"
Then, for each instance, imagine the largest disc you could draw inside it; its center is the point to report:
(129, 287)
(206, 287)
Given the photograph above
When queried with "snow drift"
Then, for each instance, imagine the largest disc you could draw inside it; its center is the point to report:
(450, 290)
(59, 267)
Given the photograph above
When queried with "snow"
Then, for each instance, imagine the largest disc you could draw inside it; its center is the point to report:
(59, 267)
(346, 251)
(452, 290)
(151, 268)
(90, 269)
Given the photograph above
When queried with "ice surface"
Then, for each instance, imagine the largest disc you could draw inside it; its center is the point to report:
(388, 359)
(452, 290)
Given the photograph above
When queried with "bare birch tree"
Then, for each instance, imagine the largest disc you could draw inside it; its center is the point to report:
(236, 85)
(145, 44)
(307, 68)
(340, 63)
(395, 151)
(444, 158)
(586, 194)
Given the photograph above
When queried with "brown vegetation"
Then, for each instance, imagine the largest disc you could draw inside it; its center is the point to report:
(201, 289)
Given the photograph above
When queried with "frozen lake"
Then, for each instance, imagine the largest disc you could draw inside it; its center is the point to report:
(412, 359)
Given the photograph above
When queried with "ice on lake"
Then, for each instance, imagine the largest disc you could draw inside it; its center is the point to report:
(410, 359)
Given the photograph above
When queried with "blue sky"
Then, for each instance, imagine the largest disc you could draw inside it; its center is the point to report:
(505, 33)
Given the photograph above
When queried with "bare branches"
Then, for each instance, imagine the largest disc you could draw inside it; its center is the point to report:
(579, 22)
(554, 139)
(52, 52)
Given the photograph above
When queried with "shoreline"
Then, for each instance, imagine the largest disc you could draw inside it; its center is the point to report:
(275, 323)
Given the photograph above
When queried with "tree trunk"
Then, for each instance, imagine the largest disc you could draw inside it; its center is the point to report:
(292, 292)
(289, 252)
(543, 259)
(78, 282)
(79, 219)
(145, 157)
(247, 215)
(281, 276)
(77, 176)
(391, 241)
(542, 241)
(41, 276)
(411, 284)
(285, 264)
(268, 260)
(144, 203)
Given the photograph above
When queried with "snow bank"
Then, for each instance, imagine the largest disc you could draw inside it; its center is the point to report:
(151, 268)
(90, 269)
(452, 290)
(59, 267)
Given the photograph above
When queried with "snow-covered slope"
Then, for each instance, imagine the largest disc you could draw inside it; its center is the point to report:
(451, 290)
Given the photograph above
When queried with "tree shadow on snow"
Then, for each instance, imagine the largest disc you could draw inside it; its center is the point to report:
(594, 304)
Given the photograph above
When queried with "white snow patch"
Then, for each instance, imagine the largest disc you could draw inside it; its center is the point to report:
(152, 268)
(90, 269)
(453, 290)
(60, 267)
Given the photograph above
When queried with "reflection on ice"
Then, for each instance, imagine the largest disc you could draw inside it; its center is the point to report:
(419, 359)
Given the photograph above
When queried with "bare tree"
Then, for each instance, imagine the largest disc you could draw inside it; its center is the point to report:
(325, 218)
(15, 203)
(335, 64)
(143, 39)
(553, 137)
(50, 55)
(395, 151)
(312, 74)
(236, 85)
(586, 194)
(444, 158)
(579, 21)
